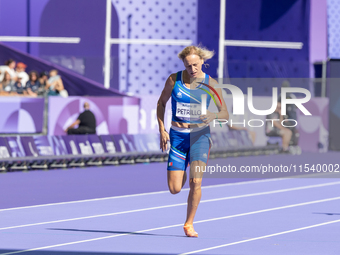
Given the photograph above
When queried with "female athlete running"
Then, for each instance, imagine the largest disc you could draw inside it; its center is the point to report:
(190, 132)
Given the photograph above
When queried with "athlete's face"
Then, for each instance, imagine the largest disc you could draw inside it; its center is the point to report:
(193, 65)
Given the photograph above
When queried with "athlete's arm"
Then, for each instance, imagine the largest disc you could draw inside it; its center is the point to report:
(222, 107)
(163, 99)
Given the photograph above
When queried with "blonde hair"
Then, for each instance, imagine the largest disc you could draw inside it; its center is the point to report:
(199, 50)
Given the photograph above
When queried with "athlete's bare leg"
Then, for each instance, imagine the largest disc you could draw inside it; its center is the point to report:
(176, 180)
(194, 197)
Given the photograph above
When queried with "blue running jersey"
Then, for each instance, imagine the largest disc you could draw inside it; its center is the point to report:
(186, 103)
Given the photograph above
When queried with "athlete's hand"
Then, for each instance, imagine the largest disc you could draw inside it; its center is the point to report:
(164, 138)
(209, 117)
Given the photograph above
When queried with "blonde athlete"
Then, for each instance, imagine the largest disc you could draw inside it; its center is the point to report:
(190, 132)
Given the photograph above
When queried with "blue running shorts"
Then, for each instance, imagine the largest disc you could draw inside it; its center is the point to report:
(188, 145)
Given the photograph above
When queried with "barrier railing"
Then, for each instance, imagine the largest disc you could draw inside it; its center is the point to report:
(48, 152)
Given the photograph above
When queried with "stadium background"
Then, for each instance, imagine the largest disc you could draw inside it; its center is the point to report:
(138, 71)
(107, 193)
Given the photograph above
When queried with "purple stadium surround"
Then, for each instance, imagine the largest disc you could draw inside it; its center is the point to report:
(124, 143)
(58, 145)
(314, 129)
(148, 19)
(333, 20)
(15, 146)
(318, 32)
(96, 144)
(108, 143)
(259, 20)
(74, 83)
(114, 115)
(145, 72)
(71, 144)
(84, 145)
(146, 142)
(4, 148)
(43, 145)
(21, 115)
(28, 143)
(198, 20)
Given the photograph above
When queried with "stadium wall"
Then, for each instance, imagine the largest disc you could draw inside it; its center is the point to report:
(143, 69)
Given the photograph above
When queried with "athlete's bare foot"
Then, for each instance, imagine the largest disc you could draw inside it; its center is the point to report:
(189, 230)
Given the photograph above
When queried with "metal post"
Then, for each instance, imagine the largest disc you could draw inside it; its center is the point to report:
(45, 126)
(107, 54)
(128, 54)
(221, 39)
(28, 25)
(324, 78)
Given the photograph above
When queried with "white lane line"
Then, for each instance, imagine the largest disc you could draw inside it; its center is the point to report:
(264, 44)
(141, 194)
(177, 225)
(151, 41)
(270, 209)
(263, 237)
(40, 39)
(174, 205)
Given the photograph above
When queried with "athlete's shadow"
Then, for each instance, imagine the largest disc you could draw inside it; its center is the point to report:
(112, 232)
(329, 214)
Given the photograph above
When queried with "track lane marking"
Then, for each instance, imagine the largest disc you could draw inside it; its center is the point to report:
(174, 205)
(262, 237)
(177, 225)
(140, 194)
(166, 191)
